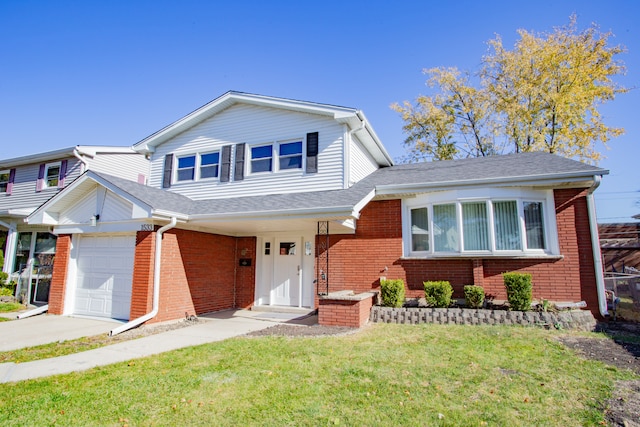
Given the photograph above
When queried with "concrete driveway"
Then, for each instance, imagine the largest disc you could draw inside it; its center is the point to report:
(46, 328)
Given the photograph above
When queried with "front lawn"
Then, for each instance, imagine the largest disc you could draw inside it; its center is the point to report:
(383, 375)
(6, 307)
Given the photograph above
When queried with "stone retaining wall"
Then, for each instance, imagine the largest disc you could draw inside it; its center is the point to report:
(574, 319)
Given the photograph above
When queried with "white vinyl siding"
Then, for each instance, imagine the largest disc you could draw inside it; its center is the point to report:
(257, 126)
(361, 164)
(24, 194)
(127, 166)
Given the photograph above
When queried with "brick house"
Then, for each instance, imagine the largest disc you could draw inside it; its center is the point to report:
(257, 201)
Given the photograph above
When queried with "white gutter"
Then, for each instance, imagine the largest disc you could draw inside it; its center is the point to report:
(76, 153)
(595, 247)
(156, 283)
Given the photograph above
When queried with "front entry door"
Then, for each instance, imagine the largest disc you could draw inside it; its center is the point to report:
(287, 272)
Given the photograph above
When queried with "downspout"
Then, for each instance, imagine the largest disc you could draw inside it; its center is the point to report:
(76, 153)
(347, 152)
(595, 247)
(156, 283)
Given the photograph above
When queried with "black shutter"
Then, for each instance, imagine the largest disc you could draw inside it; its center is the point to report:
(238, 173)
(225, 168)
(312, 152)
(168, 169)
(12, 178)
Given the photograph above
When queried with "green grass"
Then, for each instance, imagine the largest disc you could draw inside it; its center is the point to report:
(384, 375)
(55, 349)
(6, 307)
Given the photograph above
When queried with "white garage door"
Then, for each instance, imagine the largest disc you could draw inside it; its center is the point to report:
(105, 270)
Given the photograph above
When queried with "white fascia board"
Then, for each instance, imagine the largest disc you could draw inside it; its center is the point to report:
(37, 158)
(162, 214)
(534, 180)
(367, 136)
(93, 150)
(333, 212)
(223, 102)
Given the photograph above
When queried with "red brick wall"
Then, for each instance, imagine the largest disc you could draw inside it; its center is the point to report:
(142, 285)
(353, 314)
(59, 275)
(197, 274)
(358, 261)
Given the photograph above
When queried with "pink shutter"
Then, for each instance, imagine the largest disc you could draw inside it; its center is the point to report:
(63, 173)
(40, 181)
(12, 177)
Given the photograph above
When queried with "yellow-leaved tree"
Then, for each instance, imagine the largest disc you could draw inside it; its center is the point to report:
(543, 95)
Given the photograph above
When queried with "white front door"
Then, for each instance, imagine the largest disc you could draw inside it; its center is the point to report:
(286, 286)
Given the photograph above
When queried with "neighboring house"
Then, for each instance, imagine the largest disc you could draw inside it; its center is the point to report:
(256, 201)
(620, 246)
(26, 183)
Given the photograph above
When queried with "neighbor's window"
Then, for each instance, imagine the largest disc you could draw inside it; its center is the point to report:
(4, 181)
(186, 168)
(290, 155)
(486, 226)
(262, 159)
(51, 175)
(209, 165)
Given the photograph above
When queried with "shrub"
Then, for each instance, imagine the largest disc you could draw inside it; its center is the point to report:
(392, 292)
(6, 292)
(474, 296)
(519, 290)
(438, 293)
(3, 277)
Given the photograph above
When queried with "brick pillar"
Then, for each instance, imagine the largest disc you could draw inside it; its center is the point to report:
(59, 275)
(478, 272)
(142, 286)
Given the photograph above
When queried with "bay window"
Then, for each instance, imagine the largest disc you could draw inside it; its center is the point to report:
(449, 223)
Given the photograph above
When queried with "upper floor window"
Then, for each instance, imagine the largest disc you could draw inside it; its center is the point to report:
(209, 165)
(288, 154)
(51, 175)
(186, 168)
(262, 159)
(198, 166)
(490, 226)
(4, 181)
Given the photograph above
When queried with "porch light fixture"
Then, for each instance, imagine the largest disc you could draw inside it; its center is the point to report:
(94, 220)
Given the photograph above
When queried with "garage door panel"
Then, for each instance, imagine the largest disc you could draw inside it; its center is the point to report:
(105, 270)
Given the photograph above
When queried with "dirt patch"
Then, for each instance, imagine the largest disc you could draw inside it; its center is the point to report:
(622, 350)
(302, 331)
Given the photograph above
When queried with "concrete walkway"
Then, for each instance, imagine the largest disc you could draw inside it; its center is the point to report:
(214, 327)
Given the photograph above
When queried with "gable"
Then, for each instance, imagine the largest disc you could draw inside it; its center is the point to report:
(98, 201)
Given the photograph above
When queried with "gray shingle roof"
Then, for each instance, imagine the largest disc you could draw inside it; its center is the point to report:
(523, 166)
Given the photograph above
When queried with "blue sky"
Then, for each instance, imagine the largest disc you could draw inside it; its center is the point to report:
(113, 72)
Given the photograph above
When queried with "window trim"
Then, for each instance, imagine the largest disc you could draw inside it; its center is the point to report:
(197, 167)
(6, 184)
(276, 157)
(45, 181)
(488, 196)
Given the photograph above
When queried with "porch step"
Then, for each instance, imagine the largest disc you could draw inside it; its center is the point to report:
(283, 309)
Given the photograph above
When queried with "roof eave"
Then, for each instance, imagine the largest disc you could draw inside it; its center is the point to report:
(549, 179)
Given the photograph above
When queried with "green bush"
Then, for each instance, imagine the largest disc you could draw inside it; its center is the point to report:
(474, 296)
(6, 292)
(3, 277)
(392, 292)
(519, 290)
(438, 293)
